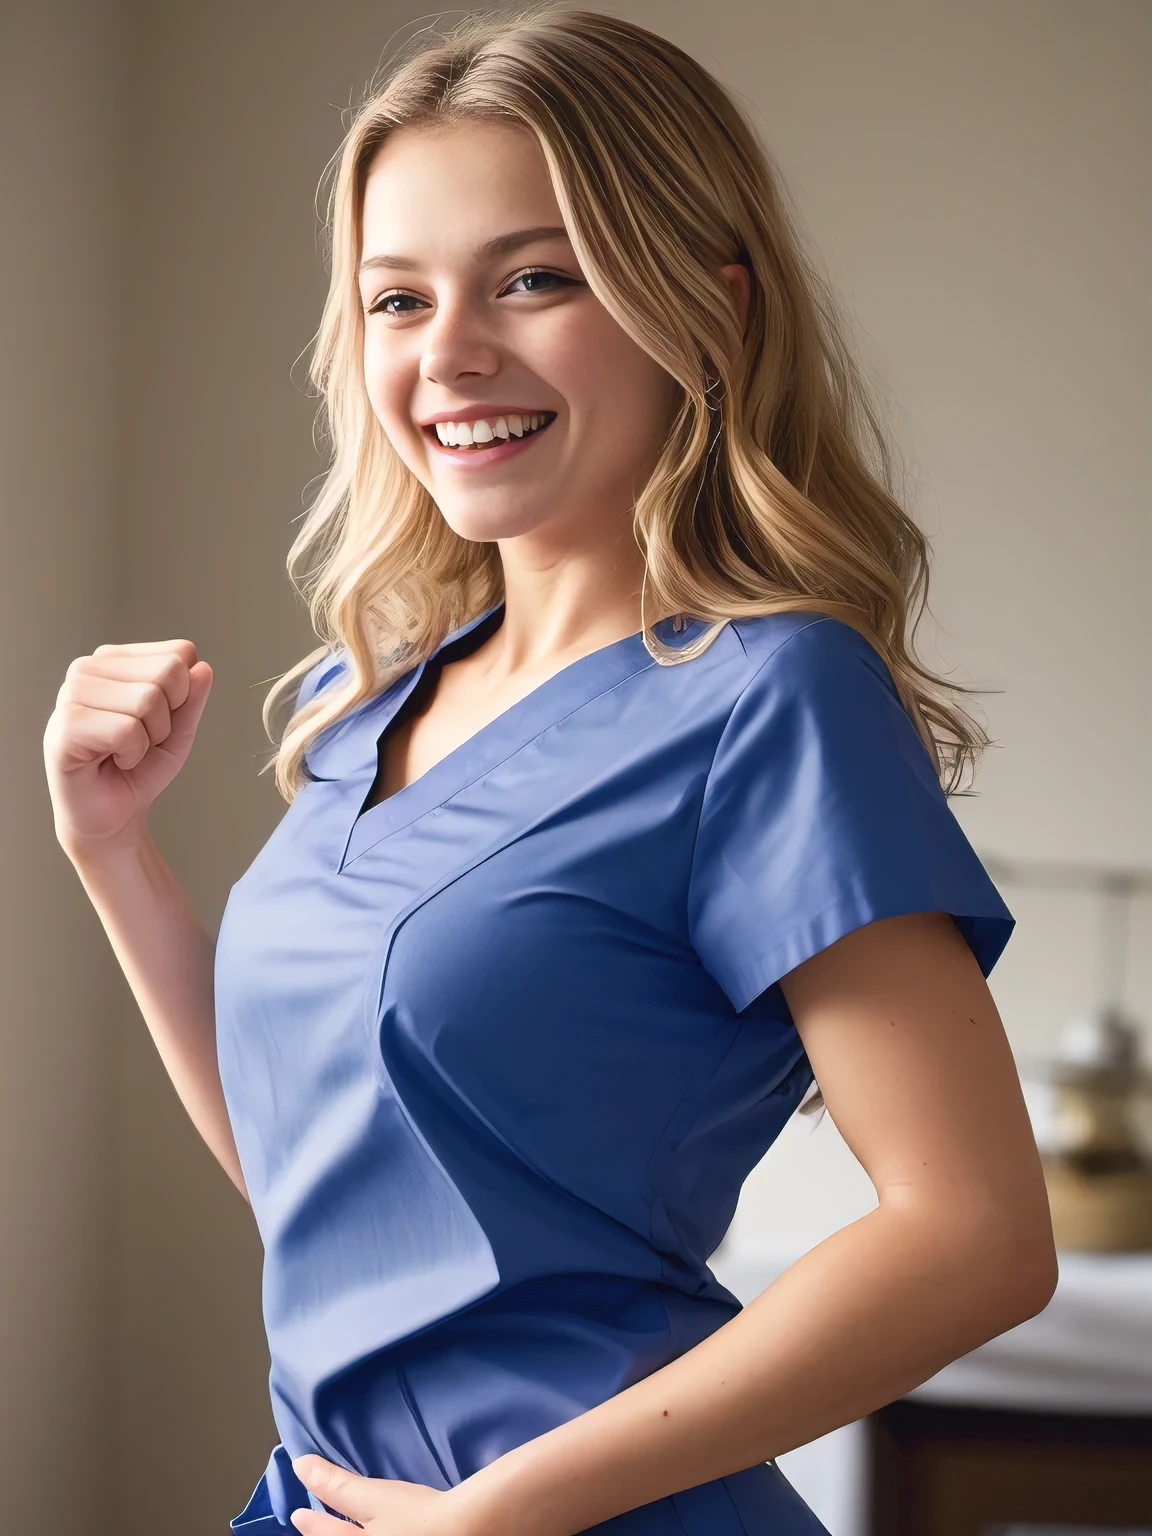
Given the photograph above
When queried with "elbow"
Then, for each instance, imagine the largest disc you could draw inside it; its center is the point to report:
(1018, 1263)
(997, 1259)
(1046, 1274)
(1032, 1282)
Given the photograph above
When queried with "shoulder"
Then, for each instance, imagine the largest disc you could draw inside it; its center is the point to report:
(816, 697)
(808, 652)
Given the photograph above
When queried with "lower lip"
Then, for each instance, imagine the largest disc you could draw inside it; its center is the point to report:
(495, 454)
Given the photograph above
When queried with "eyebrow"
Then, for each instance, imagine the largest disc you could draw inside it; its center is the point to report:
(499, 245)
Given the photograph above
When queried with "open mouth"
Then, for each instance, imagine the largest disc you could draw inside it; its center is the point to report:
(502, 432)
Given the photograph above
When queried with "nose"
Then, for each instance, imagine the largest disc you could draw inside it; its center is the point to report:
(456, 343)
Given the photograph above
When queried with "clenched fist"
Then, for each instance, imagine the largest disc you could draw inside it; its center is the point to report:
(123, 726)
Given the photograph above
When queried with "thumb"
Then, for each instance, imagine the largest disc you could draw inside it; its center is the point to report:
(186, 718)
(346, 1492)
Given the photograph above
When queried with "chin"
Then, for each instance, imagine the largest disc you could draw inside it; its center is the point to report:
(478, 528)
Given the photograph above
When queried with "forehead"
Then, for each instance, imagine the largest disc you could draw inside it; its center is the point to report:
(439, 192)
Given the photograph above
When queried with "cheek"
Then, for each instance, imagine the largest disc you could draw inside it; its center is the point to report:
(389, 392)
(381, 380)
(608, 378)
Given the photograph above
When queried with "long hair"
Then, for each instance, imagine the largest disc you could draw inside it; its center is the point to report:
(776, 487)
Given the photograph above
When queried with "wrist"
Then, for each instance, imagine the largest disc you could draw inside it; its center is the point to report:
(127, 846)
(493, 1502)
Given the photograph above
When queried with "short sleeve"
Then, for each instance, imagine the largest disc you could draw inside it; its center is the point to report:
(822, 812)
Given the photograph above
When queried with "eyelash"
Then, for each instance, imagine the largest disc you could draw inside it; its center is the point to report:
(397, 293)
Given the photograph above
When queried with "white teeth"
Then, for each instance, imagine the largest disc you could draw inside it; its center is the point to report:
(462, 434)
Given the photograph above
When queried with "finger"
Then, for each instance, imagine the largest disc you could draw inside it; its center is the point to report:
(186, 649)
(145, 700)
(186, 718)
(167, 669)
(346, 1492)
(100, 733)
(311, 1523)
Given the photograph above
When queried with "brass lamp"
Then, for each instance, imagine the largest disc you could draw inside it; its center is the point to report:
(1099, 1177)
(1098, 1173)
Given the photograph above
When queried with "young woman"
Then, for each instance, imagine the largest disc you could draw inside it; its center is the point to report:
(617, 816)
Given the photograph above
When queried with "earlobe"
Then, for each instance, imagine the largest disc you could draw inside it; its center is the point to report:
(738, 278)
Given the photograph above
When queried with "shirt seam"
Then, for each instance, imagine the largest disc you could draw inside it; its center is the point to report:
(820, 619)
(484, 772)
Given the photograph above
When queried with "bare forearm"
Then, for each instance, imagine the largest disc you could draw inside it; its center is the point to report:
(868, 1314)
(168, 959)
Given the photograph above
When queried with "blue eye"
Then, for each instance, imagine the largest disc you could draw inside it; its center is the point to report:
(381, 306)
(541, 272)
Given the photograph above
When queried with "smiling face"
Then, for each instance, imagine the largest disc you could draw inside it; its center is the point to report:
(480, 317)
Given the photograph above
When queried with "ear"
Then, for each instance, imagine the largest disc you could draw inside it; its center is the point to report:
(739, 282)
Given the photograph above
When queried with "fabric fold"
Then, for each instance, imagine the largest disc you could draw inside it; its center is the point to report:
(275, 1496)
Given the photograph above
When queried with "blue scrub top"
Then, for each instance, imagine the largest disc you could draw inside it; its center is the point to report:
(499, 1051)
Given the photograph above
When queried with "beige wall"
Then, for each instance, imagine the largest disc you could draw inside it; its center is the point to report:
(968, 174)
(59, 386)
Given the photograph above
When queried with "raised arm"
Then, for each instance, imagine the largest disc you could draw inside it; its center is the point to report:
(123, 726)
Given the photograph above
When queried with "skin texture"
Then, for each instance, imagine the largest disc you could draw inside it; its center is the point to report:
(472, 331)
(899, 1025)
(123, 726)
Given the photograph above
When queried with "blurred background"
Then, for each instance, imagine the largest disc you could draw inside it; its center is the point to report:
(973, 177)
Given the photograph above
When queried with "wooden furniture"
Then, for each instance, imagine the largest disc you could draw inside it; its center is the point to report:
(949, 1471)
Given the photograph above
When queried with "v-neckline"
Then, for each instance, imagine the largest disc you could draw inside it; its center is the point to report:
(566, 690)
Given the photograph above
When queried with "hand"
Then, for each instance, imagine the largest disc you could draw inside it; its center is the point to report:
(380, 1506)
(123, 725)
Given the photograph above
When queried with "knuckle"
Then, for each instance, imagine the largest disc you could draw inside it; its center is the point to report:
(126, 733)
(174, 669)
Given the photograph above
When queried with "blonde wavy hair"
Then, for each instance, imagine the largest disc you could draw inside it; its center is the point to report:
(775, 489)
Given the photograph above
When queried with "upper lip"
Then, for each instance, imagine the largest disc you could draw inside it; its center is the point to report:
(484, 413)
